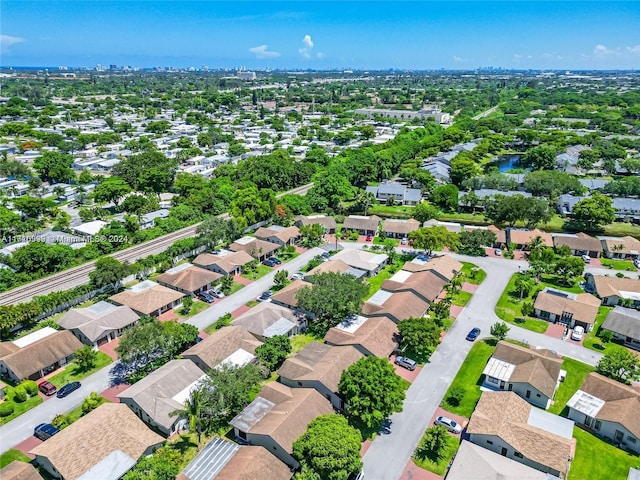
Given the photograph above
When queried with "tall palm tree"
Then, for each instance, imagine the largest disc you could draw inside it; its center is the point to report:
(193, 412)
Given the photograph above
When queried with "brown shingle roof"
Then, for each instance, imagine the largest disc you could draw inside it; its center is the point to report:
(38, 355)
(147, 301)
(19, 471)
(258, 319)
(359, 222)
(98, 319)
(321, 362)
(189, 279)
(254, 463)
(399, 306)
(584, 307)
(289, 294)
(221, 344)
(445, 266)
(539, 368)
(625, 245)
(425, 284)
(579, 241)
(400, 226)
(284, 235)
(506, 415)
(377, 335)
(332, 266)
(84, 443)
(256, 247)
(328, 223)
(612, 286)
(522, 237)
(622, 402)
(501, 235)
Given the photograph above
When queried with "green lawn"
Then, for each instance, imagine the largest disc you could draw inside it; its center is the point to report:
(12, 454)
(595, 458)
(197, 307)
(623, 265)
(260, 271)
(576, 373)
(252, 303)
(396, 211)
(472, 273)
(298, 342)
(19, 408)
(461, 298)
(235, 287)
(468, 379)
(433, 464)
(72, 373)
(592, 340)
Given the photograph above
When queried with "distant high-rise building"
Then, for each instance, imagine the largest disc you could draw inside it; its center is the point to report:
(113, 67)
(100, 68)
(242, 75)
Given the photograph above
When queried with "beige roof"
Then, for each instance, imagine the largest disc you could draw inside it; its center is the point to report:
(360, 222)
(425, 284)
(161, 392)
(226, 263)
(26, 361)
(215, 348)
(625, 245)
(522, 237)
(613, 286)
(321, 362)
(260, 318)
(147, 301)
(622, 402)
(399, 306)
(289, 294)
(579, 241)
(501, 235)
(539, 368)
(284, 235)
(378, 335)
(506, 415)
(332, 266)
(445, 266)
(19, 471)
(584, 306)
(98, 319)
(84, 443)
(367, 261)
(400, 226)
(189, 279)
(327, 222)
(292, 411)
(254, 463)
(256, 248)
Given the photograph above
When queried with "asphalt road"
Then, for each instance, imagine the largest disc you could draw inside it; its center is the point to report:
(388, 455)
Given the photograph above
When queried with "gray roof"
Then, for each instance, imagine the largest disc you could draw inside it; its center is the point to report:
(98, 319)
(213, 457)
(625, 321)
(438, 169)
(488, 192)
(593, 183)
(268, 320)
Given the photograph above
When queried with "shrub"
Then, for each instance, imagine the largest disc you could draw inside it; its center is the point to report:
(6, 408)
(527, 308)
(19, 394)
(31, 387)
(606, 336)
(620, 275)
(61, 421)
(455, 396)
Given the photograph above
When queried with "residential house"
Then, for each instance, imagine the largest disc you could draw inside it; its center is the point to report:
(484, 194)
(425, 284)
(397, 192)
(449, 226)
(475, 462)
(148, 220)
(224, 263)
(579, 244)
(232, 345)
(89, 229)
(608, 409)
(370, 262)
(377, 336)
(148, 298)
(439, 169)
(98, 324)
(34, 355)
(188, 279)
(161, 392)
(268, 320)
(393, 228)
(532, 374)
(621, 248)
(522, 238)
(282, 236)
(594, 183)
(18, 470)
(364, 225)
(278, 416)
(258, 249)
(288, 296)
(444, 266)
(614, 290)
(570, 309)
(328, 223)
(395, 306)
(334, 266)
(224, 460)
(501, 236)
(624, 323)
(506, 424)
(319, 366)
(625, 208)
(104, 444)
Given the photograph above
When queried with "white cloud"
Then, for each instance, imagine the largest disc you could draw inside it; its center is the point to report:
(307, 41)
(517, 56)
(634, 50)
(306, 50)
(7, 40)
(261, 51)
(321, 55)
(458, 59)
(601, 50)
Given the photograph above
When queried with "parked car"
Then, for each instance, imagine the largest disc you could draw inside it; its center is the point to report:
(473, 334)
(296, 276)
(369, 238)
(276, 260)
(265, 297)
(45, 431)
(577, 333)
(451, 425)
(68, 388)
(404, 241)
(269, 262)
(586, 258)
(498, 252)
(47, 388)
(206, 297)
(636, 262)
(216, 293)
(406, 362)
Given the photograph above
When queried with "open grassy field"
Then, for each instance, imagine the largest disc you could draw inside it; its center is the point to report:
(595, 458)
(623, 265)
(472, 273)
(72, 373)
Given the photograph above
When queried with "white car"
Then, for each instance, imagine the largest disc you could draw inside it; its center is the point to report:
(451, 425)
(577, 333)
(586, 258)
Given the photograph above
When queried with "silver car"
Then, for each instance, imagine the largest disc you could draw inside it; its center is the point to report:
(449, 424)
(406, 363)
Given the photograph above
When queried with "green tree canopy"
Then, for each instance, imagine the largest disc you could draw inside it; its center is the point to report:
(433, 238)
(425, 211)
(473, 242)
(620, 365)
(594, 212)
(421, 335)
(54, 167)
(274, 351)
(542, 157)
(111, 189)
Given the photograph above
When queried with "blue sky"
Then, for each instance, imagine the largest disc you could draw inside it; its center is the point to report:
(321, 34)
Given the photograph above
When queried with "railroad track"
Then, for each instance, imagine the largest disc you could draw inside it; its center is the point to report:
(79, 275)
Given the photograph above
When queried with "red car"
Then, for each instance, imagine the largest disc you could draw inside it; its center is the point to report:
(369, 238)
(47, 388)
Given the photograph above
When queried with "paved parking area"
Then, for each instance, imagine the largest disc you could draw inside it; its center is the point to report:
(408, 375)
(110, 348)
(111, 392)
(555, 330)
(414, 472)
(168, 315)
(455, 310)
(469, 287)
(458, 419)
(27, 445)
(239, 311)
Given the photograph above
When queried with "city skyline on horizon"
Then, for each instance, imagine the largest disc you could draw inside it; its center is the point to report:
(418, 35)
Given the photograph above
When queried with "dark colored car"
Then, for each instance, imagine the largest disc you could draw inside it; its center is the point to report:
(473, 334)
(205, 297)
(44, 431)
(68, 388)
(269, 262)
(47, 388)
(276, 260)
